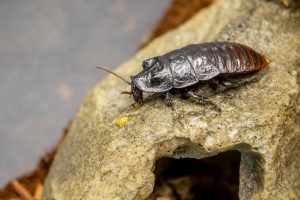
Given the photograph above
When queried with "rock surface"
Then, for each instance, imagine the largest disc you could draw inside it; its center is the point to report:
(101, 160)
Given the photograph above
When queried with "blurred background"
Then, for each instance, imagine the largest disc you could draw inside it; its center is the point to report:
(48, 53)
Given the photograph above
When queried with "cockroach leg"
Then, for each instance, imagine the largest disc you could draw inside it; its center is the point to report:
(203, 100)
(213, 84)
(229, 84)
(168, 99)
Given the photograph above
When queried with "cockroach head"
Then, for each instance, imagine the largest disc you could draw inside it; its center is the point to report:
(155, 77)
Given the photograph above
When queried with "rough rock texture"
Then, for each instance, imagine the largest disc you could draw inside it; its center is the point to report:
(100, 160)
(289, 3)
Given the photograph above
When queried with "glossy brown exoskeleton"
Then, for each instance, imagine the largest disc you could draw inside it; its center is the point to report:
(190, 65)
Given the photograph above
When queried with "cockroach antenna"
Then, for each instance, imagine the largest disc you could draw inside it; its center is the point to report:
(111, 72)
(125, 92)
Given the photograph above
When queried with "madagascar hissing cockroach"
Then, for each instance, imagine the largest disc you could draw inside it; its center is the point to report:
(193, 64)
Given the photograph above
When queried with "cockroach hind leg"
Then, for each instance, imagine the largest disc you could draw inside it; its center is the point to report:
(229, 84)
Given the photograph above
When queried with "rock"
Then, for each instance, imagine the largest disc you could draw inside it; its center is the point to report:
(102, 160)
(289, 3)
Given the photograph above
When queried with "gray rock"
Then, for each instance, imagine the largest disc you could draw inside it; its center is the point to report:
(101, 160)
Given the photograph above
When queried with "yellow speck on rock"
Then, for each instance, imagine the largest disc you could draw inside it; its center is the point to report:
(122, 121)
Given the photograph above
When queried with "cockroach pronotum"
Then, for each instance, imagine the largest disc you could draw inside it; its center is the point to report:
(212, 62)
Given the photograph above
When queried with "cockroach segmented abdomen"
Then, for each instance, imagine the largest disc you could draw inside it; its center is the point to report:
(236, 58)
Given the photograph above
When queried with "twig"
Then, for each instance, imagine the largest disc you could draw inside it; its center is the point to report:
(24, 194)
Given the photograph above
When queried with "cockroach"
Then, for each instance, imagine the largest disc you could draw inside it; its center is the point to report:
(196, 63)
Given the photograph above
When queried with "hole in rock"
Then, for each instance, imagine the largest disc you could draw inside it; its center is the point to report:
(212, 178)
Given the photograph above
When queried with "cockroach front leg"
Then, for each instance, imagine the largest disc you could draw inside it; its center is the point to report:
(202, 100)
(168, 99)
